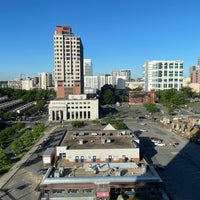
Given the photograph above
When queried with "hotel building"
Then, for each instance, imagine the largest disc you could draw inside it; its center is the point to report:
(68, 61)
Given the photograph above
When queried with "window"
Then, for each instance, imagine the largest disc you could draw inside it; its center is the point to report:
(64, 155)
(58, 193)
(94, 159)
(109, 158)
(76, 159)
(82, 159)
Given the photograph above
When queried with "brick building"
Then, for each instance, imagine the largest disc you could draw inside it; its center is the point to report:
(136, 97)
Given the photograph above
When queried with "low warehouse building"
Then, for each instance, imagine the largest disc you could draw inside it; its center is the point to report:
(96, 165)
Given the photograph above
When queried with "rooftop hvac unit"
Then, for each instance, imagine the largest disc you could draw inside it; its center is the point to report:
(61, 171)
(81, 134)
(95, 170)
(108, 140)
(103, 141)
(123, 132)
(81, 141)
(56, 174)
(117, 172)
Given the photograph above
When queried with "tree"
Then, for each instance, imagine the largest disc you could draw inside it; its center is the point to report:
(179, 98)
(107, 95)
(41, 94)
(123, 98)
(168, 95)
(9, 115)
(188, 92)
(109, 118)
(170, 110)
(40, 104)
(151, 107)
(120, 125)
(77, 124)
(39, 128)
(27, 138)
(16, 146)
(139, 88)
(172, 97)
(3, 158)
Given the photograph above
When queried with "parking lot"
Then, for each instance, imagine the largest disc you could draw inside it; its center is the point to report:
(181, 175)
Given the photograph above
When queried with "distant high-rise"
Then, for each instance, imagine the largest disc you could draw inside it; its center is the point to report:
(163, 74)
(68, 62)
(198, 62)
(45, 80)
(195, 76)
(87, 67)
(126, 73)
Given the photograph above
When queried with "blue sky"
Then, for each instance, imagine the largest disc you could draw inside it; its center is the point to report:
(116, 34)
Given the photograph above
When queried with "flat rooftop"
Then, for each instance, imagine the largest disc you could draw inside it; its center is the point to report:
(104, 172)
(112, 139)
(102, 169)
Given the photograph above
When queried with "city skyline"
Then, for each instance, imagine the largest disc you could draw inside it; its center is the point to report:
(115, 34)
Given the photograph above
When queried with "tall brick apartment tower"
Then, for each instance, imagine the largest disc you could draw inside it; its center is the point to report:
(68, 62)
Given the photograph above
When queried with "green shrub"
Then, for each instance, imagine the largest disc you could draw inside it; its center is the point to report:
(77, 124)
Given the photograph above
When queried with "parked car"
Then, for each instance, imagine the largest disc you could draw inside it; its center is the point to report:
(173, 143)
(143, 130)
(45, 142)
(42, 170)
(155, 140)
(160, 144)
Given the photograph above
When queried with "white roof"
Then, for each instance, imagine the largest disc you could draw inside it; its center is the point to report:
(109, 127)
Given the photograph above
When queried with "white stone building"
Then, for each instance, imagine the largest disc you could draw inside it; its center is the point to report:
(94, 83)
(163, 74)
(76, 107)
(133, 84)
(15, 83)
(27, 83)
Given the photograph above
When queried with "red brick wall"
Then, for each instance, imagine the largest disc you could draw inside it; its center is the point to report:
(149, 98)
(63, 29)
(63, 91)
(60, 90)
(77, 87)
